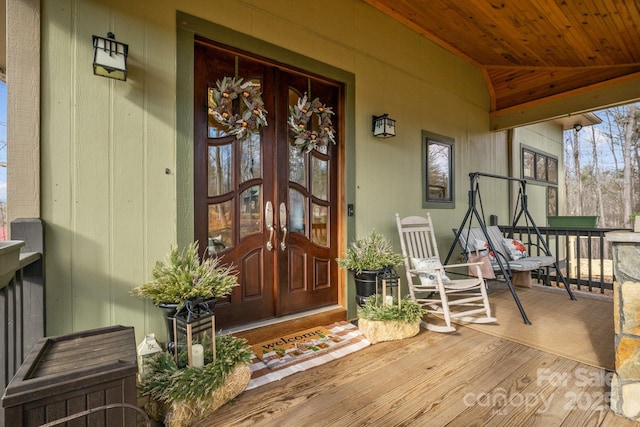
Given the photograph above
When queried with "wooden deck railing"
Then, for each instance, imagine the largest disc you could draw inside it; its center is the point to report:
(22, 309)
(584, 255)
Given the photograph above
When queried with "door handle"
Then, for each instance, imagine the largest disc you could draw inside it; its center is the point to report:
(283, 225)
(268, 217)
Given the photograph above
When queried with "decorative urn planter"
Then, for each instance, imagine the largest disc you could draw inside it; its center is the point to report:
(387, 330)
(184, 413)
(383, 318)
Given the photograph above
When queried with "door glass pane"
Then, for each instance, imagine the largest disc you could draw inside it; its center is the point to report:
(320, 179)
(319, 225)
(250, 158)
(297, 211)
(315, 125)
(250, 210)
(219, 169)
(296, 165)
(297, 169)
(215, 129)
(220, 227)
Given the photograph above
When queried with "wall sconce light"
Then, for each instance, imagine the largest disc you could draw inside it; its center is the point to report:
(383, 126)
(110, 57)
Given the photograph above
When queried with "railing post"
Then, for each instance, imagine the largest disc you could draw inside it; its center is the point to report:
(22, 300)
(31, 231)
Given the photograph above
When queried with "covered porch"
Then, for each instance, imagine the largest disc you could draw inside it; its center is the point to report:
(108, 167)
(465, 378)
(145, 130)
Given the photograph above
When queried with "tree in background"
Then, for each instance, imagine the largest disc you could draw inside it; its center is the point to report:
(602, 168)
(597, 177)
(573, 180)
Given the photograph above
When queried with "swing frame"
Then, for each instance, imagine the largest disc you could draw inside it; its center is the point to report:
(520, 212)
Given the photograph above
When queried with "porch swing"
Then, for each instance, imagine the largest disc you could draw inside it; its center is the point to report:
(490, 238)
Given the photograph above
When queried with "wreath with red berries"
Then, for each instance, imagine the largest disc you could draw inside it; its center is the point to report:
(248, 121)
(303, 136)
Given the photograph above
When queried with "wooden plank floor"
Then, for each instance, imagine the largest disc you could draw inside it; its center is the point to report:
(463, 379)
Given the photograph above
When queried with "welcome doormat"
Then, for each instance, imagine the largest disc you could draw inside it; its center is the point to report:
(294, 348)
(284, 356)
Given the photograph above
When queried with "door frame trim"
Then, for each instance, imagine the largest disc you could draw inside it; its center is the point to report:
(187, 26)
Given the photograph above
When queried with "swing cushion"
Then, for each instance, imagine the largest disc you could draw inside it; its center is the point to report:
(476, 238)
(528, 264)
(515, 248)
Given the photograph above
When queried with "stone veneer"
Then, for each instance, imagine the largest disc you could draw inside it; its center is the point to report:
(625, 385)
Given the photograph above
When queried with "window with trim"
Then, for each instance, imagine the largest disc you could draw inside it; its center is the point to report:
(542, 168)
(539, 166)
(437, 171)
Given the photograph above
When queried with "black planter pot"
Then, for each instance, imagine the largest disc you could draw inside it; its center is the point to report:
(366, 285)
(170, 310)
(369, 282)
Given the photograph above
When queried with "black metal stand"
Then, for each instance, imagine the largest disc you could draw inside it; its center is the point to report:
(474, 193)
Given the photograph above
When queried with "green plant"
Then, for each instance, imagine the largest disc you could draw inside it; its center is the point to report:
(370, 253)
(164, 381)
(184, 275)
(408, 311)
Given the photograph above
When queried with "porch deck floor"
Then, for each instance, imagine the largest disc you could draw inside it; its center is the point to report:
(467, 378)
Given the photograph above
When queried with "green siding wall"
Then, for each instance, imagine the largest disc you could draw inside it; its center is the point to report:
(115, 155)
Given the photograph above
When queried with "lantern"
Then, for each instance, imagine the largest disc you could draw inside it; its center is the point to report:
(389, 284)
(192, 325)
(146, 350)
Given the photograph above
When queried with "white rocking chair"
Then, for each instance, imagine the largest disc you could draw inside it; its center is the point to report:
(460, 299)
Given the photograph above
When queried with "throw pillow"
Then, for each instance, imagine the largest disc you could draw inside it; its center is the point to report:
(481, 246)
(516, 249)
(427, 269)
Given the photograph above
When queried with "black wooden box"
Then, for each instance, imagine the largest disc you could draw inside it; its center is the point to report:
(69, 374)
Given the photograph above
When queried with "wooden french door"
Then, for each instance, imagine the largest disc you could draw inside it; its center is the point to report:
(261, 203)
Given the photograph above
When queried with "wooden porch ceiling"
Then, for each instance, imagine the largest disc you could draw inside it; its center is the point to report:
(532, 51)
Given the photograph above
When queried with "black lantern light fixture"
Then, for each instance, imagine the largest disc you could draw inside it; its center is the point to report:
(383, 126)
(110, 57)
(193, 326)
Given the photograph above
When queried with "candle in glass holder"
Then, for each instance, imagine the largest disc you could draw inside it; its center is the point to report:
(197, 353)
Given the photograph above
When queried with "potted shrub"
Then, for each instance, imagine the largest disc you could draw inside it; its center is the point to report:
(178, 393)
(381, 320)
(367, 258)
(185, 276)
